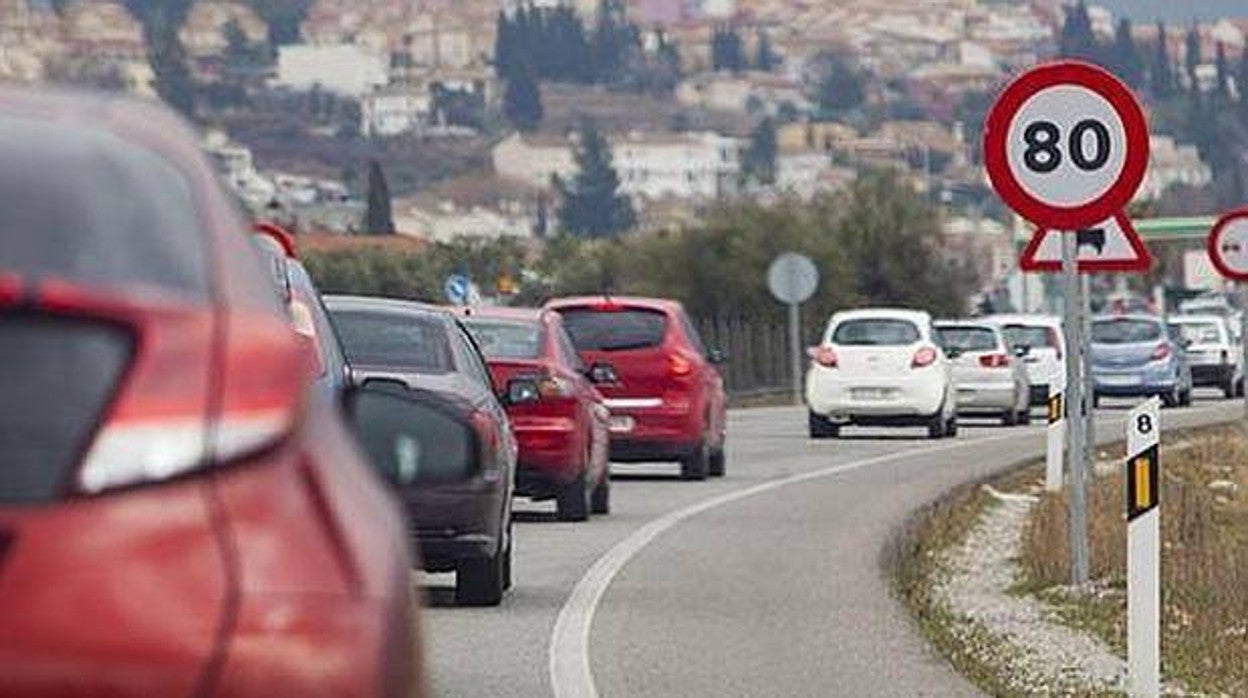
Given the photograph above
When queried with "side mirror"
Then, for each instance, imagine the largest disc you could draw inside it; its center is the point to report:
(1022, 350)
(603, 374)
(521, 391)
(411, 437)
(717, 356)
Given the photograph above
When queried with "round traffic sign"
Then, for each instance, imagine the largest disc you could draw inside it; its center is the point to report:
(1228, 245)
(1066, 145)
(792, 278)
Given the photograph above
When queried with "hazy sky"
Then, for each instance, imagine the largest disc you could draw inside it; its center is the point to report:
(1174, 11)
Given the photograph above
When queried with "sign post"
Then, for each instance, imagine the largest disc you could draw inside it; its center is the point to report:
(1143, 478)
(792, 279)
(1066, 146)
(1228, 251)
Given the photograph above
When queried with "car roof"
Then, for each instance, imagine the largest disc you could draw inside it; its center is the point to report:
(394, 305)
(1194, 318)
(1023, 319)
(1138, 317)
(920, 317)
(979, 324)
(663, 304)
(501, 312)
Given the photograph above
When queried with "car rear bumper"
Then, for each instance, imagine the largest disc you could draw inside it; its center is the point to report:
(1212, 374)
(986, 397)
(630, 450)
(841, 398)
(549, 452)
(653, 428)
(454, 523)
(1137, 382)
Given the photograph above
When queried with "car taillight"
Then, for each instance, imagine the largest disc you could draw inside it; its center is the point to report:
(679, 366)
(1162, 351)
(995, 361)
(487, 436)
(305, 329)
(925, 356)
(825, 356)
(1054, 341)
(553, 387)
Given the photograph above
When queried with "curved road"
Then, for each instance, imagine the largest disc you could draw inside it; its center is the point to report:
(765, 583)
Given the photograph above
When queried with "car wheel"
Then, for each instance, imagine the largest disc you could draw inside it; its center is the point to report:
(951, 429)
(1229, 388)
(696, 465)
(1096, 401)
(507, 559)
(1024, 417)
(1009, 418)
(937, 426)
(718, 461)
(572, 502)
(1170, 399)
(600, 498)
(1185, 398)
(480, 581)
(821, 427)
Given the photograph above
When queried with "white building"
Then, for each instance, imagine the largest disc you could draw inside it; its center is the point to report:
(1170, 164)
(447, 222)
(395, 111)
(238, 169)
(650, 166)
(347, 69)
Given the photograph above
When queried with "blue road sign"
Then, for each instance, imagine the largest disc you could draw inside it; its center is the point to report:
(457, 288)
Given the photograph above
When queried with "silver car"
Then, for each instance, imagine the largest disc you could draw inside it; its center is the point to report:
(1214, 355)
(988, 373)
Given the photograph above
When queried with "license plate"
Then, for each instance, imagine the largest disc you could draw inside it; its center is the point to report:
(1121, 380)
(620, 424)
(871, 393)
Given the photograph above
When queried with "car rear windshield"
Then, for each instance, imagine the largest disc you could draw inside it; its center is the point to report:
(1199, 332)
(1125, 331)
(86, 206)
(500, 339)
(1034, 336)
(875, 332)
(614, 330)
(394, 340)
(967, 338)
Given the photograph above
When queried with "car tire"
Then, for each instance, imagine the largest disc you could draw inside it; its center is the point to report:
(1096, 402)
(1009, 418)
(1024, 417)
(572, 502)
(1239, 388)
(938, 426)
(696, 465)
(718, 462)
(1170, 399)
(507, 581)
(1185, 398)
(821, 427)
(480, 581)
(600, 498)
(1229, 388)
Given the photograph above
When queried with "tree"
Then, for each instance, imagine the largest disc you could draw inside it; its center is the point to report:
(161, 22)
(1161, 77)
(505, 48)
(1192, 57)
(1124, 57)
(522, 101)
(378, 219)
(1077, 39)
(840, 86)
(283, 18)
(727, 51)
(592, 203)
(1224, 73)
(758, 163)
(765, 58)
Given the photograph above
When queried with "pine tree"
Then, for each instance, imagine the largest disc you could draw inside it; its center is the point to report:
(765, 58)
(161, 23)
(1077, 39)
(1126, 59)
(592, 203)
(1192, 57)
(505, 58)
(378, 219)
(522, 101)
(1224, 73)
(841, 87)
(283, 18)
(759, 161)
(727, 51)
(1162, 76)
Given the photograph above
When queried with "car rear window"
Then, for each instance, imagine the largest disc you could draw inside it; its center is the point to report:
(875, 332)
(1199, 332)
(967, 338)
(85, 205)
(500, 339)
(1034, 336)
(1125, 331)
(395, 340)
(614, 330)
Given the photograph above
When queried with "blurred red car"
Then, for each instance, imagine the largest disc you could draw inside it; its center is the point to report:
(179, 513)
(668, 403)
(562, 435)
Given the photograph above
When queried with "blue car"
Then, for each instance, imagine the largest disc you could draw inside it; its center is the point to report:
(1136, 356)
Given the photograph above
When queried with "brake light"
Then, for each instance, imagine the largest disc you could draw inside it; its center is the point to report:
(825, 356)
(995, 361)
(679, 366)
(305, 330)
(487, 436)
(925, 356)
(606, 305)
(1054, 341)
(1161, 352)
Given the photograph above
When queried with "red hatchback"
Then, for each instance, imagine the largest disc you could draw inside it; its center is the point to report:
(669, 402)
(179, 513)
(563, 434)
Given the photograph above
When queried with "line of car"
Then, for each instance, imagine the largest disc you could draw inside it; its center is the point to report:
(897, 367)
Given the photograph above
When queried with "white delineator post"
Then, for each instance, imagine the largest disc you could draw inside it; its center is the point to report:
(1057, 431)
(1143, 478)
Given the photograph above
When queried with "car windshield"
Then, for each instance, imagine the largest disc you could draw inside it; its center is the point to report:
(1198, 332)
(614, 330)
(966, 338)
(393, 340)
(1034, 336)
(875, 332)
(1125, 331)
(500, 339)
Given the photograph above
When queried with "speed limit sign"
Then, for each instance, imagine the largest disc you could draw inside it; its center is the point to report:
(1228, 245)
(1066, 146)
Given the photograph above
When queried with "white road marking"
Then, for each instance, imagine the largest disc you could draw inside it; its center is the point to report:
(568, 651)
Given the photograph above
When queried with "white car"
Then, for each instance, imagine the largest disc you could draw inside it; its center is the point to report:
(1045, 348)
(880, 367)
(988, 371)
(1212, 351)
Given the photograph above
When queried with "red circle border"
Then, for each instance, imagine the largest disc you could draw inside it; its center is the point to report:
(1215, 235)
(1103, 83)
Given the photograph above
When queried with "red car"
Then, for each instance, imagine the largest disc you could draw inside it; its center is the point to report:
(180, 514)
(669, 402)
(562, 435)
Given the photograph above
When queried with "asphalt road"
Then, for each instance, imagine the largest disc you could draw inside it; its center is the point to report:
(765, 583)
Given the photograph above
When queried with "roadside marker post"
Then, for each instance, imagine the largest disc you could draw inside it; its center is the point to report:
(1057, 420)
(1227, 245)
(1143, 495)
(1066, 147)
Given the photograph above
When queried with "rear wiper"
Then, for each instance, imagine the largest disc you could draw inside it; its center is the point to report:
(625, 347)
